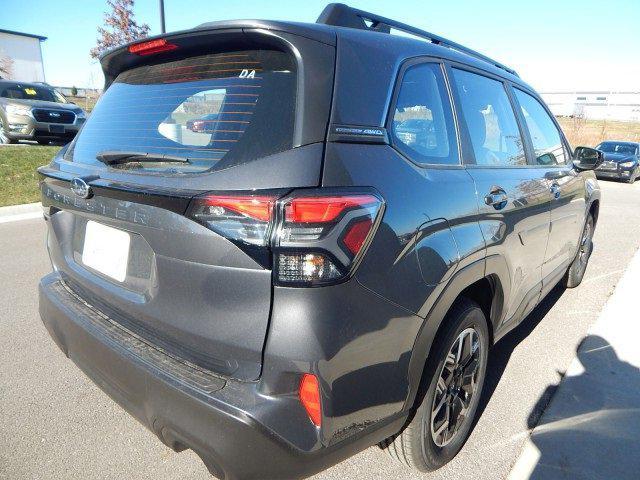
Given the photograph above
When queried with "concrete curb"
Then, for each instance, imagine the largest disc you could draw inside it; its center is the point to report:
(595, 408)
(26, 211)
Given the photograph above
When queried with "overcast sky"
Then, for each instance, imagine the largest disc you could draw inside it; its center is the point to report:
(553, 44)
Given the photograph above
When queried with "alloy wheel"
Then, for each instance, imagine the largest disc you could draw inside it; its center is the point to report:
(457, 384)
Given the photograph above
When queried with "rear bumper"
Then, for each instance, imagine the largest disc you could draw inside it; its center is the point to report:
(229, 424)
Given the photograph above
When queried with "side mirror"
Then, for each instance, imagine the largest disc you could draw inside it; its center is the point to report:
(587, 158)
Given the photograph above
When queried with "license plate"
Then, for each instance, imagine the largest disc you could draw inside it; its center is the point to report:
(56, 129)
(106, 250)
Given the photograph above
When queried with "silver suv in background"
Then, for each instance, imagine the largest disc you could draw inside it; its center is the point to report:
(36, 112)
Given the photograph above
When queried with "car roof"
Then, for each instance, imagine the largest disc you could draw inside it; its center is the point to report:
(405, 46)
(621, 142)
(4, 82)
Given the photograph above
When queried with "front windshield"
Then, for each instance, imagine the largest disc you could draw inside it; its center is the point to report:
(30, 92)
(612, 147)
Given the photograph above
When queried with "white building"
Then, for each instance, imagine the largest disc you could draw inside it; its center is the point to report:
(25, 54)
(623, 106)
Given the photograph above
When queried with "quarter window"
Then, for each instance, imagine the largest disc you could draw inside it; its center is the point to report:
(422, 127)
(490, 120)
(547, 143)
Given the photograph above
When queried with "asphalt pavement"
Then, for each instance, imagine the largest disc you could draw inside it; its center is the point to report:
(55, 424)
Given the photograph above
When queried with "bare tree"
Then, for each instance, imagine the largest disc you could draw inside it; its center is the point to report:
(6, 66)
(120, 27)
(576, 132)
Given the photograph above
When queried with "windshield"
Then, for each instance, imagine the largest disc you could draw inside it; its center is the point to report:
(214, 110)
(623, 148)
(30, 92)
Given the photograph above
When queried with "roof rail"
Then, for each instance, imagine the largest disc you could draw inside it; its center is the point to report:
(341, 15)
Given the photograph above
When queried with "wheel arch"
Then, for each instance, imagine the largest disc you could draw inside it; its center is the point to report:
(594, 210)
(482, 282)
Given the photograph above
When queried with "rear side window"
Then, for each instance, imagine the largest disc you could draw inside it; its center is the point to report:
(490, 120)
(422, 125)
(216, 110)
(546, 140)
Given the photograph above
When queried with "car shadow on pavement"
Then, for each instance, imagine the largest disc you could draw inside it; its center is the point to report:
(501, 352)
(591, 428)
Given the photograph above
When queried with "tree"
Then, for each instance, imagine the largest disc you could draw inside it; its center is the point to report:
(120, 27)
(74, 91)
(6, 66)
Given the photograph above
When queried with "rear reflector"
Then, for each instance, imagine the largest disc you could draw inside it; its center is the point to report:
(309, 394)
(151, 47)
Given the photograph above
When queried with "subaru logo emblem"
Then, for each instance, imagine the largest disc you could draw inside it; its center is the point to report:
(80, 188)
(54, 114)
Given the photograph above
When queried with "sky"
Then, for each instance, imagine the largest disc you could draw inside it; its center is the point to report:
(555, 45)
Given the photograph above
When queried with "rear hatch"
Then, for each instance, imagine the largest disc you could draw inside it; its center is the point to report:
(227, 112)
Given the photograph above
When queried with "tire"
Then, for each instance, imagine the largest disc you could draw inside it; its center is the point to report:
(4, 139)
(416, 444)
(575, 272)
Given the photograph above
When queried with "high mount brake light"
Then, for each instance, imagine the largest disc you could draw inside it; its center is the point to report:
(318, 235)
(151, 47)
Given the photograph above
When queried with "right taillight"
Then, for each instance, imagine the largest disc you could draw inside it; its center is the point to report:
(313, 237)
(321, 235)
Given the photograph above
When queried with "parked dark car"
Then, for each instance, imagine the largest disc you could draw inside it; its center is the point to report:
(36, 111)
(312, 283)
(621, 161)
(204, 124)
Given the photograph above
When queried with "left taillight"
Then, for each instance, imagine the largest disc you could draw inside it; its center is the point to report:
(313, 237)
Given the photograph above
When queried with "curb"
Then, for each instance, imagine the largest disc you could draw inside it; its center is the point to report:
(567, 442)
(25, 211)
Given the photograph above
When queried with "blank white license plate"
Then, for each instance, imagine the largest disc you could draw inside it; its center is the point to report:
(106, 250)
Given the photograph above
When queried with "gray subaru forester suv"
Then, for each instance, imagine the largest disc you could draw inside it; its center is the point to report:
(326, 264)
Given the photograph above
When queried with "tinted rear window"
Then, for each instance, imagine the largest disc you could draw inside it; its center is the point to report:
(217, 110)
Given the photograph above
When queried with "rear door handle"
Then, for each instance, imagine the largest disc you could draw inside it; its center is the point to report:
(556, 191)
(496, 198)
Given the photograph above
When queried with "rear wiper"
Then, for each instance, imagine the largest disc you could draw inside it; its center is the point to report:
(119, 157)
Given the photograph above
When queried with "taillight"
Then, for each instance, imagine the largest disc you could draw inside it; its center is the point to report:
(310, 237)
(309, 394)
(241, 218)
(321, 236)
(152, 46)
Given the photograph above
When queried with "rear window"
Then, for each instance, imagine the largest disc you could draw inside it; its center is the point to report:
(215, 110)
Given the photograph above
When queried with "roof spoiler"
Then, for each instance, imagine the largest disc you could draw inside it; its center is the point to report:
(341, 15)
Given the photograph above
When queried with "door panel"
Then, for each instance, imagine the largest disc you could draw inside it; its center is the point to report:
(566, 186)
(517, 229)
(567, 218)
(514, 198)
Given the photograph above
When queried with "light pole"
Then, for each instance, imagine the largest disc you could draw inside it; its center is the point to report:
(162, 25)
